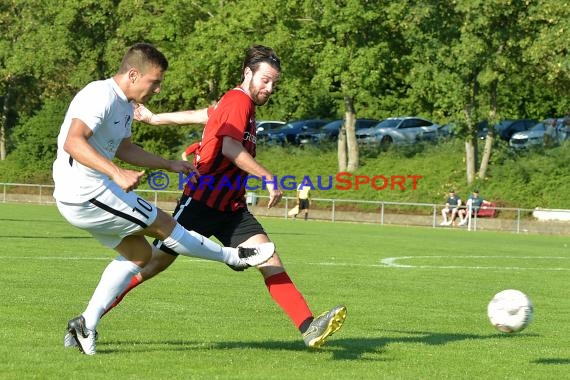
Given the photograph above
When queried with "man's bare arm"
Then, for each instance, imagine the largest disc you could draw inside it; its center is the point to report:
(145, 115)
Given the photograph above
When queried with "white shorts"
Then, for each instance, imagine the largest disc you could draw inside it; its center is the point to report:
(111, 215)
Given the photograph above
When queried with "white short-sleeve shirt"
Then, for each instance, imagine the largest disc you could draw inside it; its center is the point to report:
(104, 108)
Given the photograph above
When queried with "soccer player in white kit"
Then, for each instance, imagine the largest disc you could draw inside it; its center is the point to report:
(96, 195)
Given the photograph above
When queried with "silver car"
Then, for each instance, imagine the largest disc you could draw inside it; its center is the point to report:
(398, 130)
(555, 128)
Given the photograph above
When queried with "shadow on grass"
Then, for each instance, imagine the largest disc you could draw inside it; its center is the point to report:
(341, 349)
(354, 349)
(551, 361)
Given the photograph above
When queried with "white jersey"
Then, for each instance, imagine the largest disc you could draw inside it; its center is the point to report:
(104, 108)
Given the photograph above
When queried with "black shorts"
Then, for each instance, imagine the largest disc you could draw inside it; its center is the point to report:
(231, 228)
(303, 204)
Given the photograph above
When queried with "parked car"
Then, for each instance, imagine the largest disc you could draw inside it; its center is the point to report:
(451, 129)
(288, 133)
(482, 128)
(329, 132)
(263, 127)
(507, 128)
(535, 136)
(398, 130)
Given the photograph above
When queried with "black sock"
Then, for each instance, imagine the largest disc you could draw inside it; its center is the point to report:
(305, 325)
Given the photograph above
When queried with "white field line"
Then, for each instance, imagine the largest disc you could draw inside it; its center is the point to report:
(392, 262)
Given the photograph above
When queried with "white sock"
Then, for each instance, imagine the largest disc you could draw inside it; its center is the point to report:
(190, 243)
(114, 280)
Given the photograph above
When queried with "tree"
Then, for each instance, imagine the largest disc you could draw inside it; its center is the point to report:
(351, 59)
(33, 66)
(547, 52)
(466, 60)
(31, 151)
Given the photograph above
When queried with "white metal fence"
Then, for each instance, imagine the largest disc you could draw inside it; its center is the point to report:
(516, 220)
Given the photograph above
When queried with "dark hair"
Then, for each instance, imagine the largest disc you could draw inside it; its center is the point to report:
(257, 54)
(141, 56)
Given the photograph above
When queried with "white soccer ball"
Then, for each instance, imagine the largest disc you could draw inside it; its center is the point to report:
(510, 311)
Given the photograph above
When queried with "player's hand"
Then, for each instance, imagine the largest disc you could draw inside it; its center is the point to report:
(186, 167)
(142, 113)
(275, 194)
(128, 179)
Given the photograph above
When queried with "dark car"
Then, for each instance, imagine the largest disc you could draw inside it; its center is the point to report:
(330, 131)
(263, 127)
(288, 134)
(507, 128)
(452, 129)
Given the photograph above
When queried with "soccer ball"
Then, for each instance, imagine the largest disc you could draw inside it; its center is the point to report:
(510, 311)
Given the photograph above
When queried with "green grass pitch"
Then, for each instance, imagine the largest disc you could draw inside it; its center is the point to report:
(416, 300)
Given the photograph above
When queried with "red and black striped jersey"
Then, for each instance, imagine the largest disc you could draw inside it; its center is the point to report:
(222, 184)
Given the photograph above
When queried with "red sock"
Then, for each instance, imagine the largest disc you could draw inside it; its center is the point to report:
(286, 295)
(133, 284)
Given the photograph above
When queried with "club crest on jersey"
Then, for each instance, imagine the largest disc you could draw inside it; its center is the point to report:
(250, 137)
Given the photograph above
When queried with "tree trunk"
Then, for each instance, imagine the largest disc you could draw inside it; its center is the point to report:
(486, 154)
(3, 126)
(350, 126)
(471, 140)
(470, 147)
(490, 138)
(213, 95)
(2, 140)
(470, 160)
(342, 159)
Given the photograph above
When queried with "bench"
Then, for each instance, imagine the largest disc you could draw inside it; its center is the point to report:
(487, 210)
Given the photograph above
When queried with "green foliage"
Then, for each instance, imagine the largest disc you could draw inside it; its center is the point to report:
(165, 141)
(36, 142)
(459, 61)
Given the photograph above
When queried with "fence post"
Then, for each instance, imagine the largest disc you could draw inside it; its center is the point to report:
(518, 220)
(333, 210)
(382, 213)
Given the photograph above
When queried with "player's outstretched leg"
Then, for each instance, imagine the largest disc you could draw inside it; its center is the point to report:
(253, 256)
(324, 326)
(190, 243)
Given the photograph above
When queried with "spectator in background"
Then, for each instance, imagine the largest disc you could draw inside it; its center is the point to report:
(449, 212)
(304, 199)
(474, 203)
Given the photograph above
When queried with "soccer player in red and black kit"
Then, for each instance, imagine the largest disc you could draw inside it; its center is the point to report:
(216, 205)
